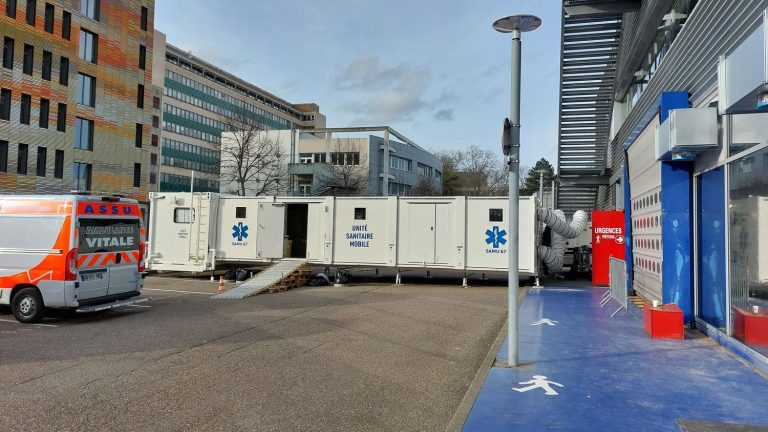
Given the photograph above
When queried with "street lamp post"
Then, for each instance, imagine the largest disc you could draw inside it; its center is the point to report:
(515, 24)
(541, 185)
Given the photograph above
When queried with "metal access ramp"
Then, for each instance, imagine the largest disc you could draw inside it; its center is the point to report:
(265, 279)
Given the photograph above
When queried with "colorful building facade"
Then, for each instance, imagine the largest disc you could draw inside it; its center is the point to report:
(76, 109)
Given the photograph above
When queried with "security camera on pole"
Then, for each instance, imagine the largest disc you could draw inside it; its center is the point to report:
(515, 24)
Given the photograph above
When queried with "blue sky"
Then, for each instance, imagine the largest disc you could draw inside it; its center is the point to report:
(434, 70)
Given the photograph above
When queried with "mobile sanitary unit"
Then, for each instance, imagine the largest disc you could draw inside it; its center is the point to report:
(197, 231)
(79, 252)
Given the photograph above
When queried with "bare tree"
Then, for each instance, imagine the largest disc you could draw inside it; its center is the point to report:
(473, 172)
(426, 186)
(253, 161)
(348, 171)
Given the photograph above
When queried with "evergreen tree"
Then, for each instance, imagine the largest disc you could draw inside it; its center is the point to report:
(531, 182)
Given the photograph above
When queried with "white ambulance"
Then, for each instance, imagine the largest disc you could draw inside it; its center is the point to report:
(79, 252)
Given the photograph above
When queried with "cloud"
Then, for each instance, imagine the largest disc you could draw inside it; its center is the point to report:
(366, 73)
(444, 115)
(389, 94)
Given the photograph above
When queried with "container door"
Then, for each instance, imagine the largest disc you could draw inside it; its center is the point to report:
(271, 229)
(124, 256)
(443, 235)
(316, 223)
(421, 233)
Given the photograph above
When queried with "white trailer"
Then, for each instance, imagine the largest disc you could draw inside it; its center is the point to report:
(198, 231)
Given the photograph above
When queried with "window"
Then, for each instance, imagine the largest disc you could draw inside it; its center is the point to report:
(64, 71)
(21, 160)
(155, 139)
(10, 8)
(42, 156)
(240, 212)
(139, 135)
(155, 121)
(140, 97)
(137, 175)
(90, 9)
(3, 156)
(83, 134)
(45, 108)
(8, 44)
(47, 64)
(61, 118)
(496, 215)
(396, 162)
(5, 104)
(58, 165)
(424, 170)
(81, 177)
(49, 10)
(29, 59)
(153, 159)
(144, 18)
(89, 46)
(26, 109)
(152, 178)
(343, 158)
(86, 90)
(142, 57)
(31, 12)
(359, 213)
(156, 102)
(183, 215)
(66, 25)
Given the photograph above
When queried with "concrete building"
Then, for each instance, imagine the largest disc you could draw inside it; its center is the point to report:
(663, 116)
(75, 112)
(200, 101)
(326, 162)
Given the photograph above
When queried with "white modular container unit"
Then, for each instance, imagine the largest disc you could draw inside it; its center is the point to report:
(195, 232)
(431, 232)
(365, 231)
(487, 239)
(307, 226)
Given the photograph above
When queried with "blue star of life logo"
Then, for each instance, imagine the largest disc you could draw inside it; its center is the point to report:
(240, 231)
(496, 237)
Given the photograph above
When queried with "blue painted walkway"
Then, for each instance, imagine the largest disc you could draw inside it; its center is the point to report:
(614, 377)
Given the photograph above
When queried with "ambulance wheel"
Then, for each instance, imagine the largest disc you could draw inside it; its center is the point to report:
(27, 305)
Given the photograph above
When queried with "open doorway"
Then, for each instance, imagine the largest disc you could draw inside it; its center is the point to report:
(296, 221)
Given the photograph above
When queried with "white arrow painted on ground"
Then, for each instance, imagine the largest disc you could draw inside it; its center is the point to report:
(546, 321)
(539, 381)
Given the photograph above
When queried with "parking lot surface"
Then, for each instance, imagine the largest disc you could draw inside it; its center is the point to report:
(369, 356)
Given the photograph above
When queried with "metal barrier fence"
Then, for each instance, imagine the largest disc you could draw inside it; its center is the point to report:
(618, 288)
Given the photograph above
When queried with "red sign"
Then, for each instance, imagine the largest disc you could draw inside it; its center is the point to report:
(607, 241)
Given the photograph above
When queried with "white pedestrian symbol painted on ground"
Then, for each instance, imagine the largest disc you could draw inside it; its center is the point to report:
(539, 381)
(546, 321)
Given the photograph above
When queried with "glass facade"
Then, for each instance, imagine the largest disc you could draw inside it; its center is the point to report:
(200, 95)
(184, 155)
(179, 183)
(748, 214)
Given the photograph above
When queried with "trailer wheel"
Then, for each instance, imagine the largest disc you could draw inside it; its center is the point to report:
(27, 305)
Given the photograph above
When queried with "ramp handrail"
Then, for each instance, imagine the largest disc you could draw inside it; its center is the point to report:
(618, 286)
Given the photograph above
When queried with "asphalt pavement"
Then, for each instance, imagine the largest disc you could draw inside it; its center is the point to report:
(370, 356)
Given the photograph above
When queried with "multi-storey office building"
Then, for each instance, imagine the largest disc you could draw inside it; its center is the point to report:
(663, 115)
(75, 111)
(325, 162)
(200, 102)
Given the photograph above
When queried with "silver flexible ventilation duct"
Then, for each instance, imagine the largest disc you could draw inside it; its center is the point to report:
(561, 230)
